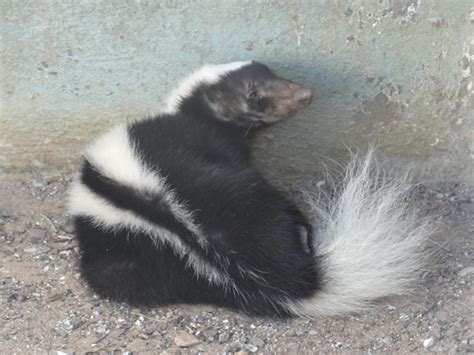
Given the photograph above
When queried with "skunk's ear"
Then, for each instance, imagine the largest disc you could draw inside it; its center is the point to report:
(214, 98)
(213, 95)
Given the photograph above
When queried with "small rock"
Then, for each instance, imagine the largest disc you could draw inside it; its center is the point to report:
(60, 238)
(185, 340)
(139, 321)
(149, 330)
(32, 250)
(251, 348)
(428, 343)
(241, 352)
(223, 337)
(210, 334)
(53, 297)
(258, 342)
(144, 336)
(404, 317)
(101, 329)
(68, 324)
(155, 334)
(37, 184)
(36, 250)
(65, 254)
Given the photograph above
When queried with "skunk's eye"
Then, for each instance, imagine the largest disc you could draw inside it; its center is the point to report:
(305, 238)
(253, 94)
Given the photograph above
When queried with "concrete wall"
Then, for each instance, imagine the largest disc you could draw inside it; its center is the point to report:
(394, 72)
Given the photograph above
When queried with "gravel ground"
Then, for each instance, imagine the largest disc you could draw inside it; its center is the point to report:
(45, 306)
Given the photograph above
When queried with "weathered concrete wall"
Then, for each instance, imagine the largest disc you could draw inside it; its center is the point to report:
(398, 73)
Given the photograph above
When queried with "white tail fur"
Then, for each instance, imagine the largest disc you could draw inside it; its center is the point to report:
(369, 240)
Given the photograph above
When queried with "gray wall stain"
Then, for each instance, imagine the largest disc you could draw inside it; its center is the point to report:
(394, 72)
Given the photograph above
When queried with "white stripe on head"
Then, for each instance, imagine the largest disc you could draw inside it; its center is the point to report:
(209, 74)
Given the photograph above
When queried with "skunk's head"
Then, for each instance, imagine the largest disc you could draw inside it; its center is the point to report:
(247, 94)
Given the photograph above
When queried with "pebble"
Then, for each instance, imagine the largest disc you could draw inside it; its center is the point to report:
(37, 184)
(68, 324)
(101, 329)
(65, 254)
(32, 250)
(404, 317)
(428, 343)
(251, 348)
(185, 340)
(210, 334)
(223, 337)
(241, 352)
(53, 297)
(36, 250)
(258, 342)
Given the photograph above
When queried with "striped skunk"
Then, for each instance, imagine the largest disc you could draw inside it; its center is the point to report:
(171, 209)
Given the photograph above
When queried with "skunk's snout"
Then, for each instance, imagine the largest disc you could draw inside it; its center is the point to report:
(303, 96)
(297, 95)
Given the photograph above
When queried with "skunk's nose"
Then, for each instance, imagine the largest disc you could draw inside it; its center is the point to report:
(303, 96)
(300, 94)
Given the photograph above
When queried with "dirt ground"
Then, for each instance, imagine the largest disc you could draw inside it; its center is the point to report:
(45, 306)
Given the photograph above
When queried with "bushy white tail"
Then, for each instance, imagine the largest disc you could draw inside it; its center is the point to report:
(369, 240)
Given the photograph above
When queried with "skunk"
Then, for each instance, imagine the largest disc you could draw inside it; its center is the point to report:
(171, 209)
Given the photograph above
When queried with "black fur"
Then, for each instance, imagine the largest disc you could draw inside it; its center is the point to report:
(253, 232)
